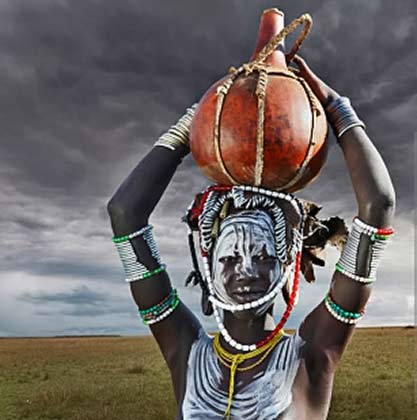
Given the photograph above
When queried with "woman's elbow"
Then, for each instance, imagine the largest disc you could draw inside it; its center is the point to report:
(117, 211)
(114, 207)
(124, 218)
(386, 200)
(380, 211)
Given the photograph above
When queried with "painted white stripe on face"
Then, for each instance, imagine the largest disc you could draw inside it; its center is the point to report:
(245, 240)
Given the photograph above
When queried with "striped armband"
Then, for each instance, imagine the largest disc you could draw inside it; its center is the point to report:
(161, 310)
(347, 263)
(135, 269)
(179, 133)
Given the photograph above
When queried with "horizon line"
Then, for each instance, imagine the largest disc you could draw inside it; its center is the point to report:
(407, 326)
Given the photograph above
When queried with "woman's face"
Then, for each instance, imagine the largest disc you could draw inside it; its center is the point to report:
(247, 262)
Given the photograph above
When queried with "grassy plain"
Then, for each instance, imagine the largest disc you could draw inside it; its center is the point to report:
(126, 379)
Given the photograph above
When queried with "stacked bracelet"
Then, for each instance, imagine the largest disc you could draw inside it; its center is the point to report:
(179, 133)
(134, 269)
(352, 276)
(342, 116)
(340, 314)
(373, 232)
(348, 259)
(161, 310)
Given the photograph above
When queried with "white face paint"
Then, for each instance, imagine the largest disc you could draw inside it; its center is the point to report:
(245, 266)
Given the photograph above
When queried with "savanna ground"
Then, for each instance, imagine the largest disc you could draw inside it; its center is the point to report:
(125, 378)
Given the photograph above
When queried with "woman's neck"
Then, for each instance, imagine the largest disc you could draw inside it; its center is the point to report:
(245, 331)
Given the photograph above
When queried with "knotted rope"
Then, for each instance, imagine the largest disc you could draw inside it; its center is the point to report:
(258, 65)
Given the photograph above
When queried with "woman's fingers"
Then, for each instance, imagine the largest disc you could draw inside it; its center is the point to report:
(305, 70)
(323, 92)
(299, 61)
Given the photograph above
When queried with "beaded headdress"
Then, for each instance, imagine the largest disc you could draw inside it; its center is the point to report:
(287, 212)
(295, 225)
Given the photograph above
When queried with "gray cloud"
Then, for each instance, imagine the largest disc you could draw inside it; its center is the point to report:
(89, 85)
(78, 296)
(69, 268)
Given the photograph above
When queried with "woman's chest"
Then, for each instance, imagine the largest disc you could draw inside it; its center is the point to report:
(211, 390)
(265, 398)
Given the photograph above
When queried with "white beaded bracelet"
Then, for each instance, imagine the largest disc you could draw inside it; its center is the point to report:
(339, 317)
(348, 259)
(134, 269)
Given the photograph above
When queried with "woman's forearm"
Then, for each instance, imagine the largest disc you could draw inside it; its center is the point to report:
(370, 178)
(135, 199)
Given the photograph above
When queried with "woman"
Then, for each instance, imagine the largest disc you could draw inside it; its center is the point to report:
(284, 377)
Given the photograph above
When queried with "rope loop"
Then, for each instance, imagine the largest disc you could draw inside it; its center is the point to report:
(273, 43)
(263, 70)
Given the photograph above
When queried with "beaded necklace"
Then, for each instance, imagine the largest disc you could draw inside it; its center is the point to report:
(284, 318)
(232, 361)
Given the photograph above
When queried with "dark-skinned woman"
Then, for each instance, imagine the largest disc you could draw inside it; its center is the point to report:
(250, 248)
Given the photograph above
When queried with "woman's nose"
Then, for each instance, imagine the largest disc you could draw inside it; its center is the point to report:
(247, 268)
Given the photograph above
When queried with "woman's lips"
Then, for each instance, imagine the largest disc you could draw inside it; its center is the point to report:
(244, 294)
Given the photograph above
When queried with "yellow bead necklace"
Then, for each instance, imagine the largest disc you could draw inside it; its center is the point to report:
(232, 361)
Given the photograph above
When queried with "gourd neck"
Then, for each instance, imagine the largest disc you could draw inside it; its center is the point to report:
(272, 22)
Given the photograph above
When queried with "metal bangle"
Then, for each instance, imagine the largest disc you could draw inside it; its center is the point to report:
(342, 116)
(179, 133)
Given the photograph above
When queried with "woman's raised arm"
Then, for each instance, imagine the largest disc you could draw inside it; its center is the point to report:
(172, 324)
(329, 327)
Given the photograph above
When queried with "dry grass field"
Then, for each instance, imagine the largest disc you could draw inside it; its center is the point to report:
(126, 379)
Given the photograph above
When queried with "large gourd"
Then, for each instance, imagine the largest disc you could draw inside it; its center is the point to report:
(261, 124)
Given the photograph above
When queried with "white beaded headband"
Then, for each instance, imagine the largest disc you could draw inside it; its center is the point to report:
(262, 198)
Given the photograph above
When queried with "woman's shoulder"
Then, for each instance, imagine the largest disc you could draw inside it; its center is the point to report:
(288, 351)
(202, 343)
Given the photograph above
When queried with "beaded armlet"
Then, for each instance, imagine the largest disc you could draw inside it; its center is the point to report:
(347, 264)
(348, 259)
(135, 269)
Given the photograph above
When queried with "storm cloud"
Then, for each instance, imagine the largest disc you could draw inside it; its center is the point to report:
(89, 85)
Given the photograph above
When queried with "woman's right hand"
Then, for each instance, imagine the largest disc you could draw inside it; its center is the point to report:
(325, 94)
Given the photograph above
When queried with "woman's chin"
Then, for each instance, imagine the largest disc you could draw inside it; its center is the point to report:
(249, 314)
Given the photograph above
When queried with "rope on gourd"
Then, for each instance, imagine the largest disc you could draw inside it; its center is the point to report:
(258, 65)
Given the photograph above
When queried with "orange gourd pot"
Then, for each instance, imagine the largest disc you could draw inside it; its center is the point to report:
(261, 124)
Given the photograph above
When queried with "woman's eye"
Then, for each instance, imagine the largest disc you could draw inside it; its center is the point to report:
(264, 257)
(229, 258)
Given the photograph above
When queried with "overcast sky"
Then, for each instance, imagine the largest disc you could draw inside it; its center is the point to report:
(86, 88)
